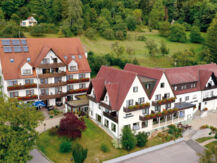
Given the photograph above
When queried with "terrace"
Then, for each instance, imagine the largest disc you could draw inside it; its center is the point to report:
(112, 116)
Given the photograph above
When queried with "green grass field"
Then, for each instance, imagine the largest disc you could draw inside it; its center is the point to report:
(92, 138)
(210, 145)
(203, 139)
(101, 46)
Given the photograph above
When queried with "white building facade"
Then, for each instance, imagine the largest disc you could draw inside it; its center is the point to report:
(145, 99)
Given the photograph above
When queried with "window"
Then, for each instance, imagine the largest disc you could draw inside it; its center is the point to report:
(58, 90)
(57, 79)
(162, 85)
(29, 92)
(141, 100)
(98, 118)
(157, 108)
(69, 77)
(44, 92)
(72, 68)
(135, 89)
(136, 126)
(12, 83)
(26, 71)
(145, 111)
(28, 81)
(81, 76)
(55, 60)
(28, 59)
(193, 85)
(168, 106)
(167, 95)
(106, 123)
(158, 97)
(186, 98)
(148, 86)
(175, 88)
(106, 98)
(113, 127)
(144, 124)
(69, 87)
(128, 115)
(129, 102)
(13, 94)
(46, 61)
(82, 85)
(183, 87)
(44, 81)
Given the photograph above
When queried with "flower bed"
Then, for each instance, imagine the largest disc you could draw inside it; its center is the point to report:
(160, 114)
(27, 97)
(164, 101)
(78, 90)
(78, 80)
(137, 107)
(17, 87)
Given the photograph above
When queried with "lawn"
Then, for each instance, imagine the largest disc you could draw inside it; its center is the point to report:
(203, 139)
(92, 138)
(210, 145)
(101, 46)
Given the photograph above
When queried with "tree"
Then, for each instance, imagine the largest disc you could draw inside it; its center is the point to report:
(131, 23)
(151, 46)
(177, 33)
(71, 126)
(174, 131)
(11, 30)
(195, 35)
(163, 48)
(211, 42)
(37, 30)
(142, 139)
(128, 139)
(17, 130)
(209, 156)
(164, 29)
(57, 10)
(79, 153)
(138, 15)
(117, 49)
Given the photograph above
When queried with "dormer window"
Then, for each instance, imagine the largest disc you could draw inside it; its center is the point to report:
(72, 68)
(46, 61)
(26, 72)
(73, 57)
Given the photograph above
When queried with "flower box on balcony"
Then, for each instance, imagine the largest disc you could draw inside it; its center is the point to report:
(77, 80)
(27, 97)
(17, 87)
(137, 107)
(78, 90)
(164, 101)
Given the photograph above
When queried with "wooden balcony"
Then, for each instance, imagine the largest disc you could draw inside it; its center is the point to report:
(73, 91)
(105, 105)
(210, 98)
(50, 75)
(111, 117)
(52, 96)
(78, 80)
(52, 85)
(18, 87)
(51, 65)
(25, 98)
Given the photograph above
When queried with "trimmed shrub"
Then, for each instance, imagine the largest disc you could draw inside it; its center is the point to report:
(104, 148)
(79, 153)
(65, 146)
(128, 139)
(142, 139)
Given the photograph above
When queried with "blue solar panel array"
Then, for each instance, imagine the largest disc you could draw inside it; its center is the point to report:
(16, 46)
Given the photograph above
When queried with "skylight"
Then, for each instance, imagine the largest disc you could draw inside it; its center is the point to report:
(73, 57)
(65, 57)
(28, 59)
(79, 56)
(12, 60)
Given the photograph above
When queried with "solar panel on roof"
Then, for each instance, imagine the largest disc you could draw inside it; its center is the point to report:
(6, 42)
(7, 49)
(16, 42)
(25, 48)
(17, 49)
(23, 42)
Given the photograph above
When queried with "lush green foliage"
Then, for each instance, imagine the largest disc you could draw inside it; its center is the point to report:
(164, 29)
(195, 35)
(142, 139)
(177, 33)
(17, 130)
(128, 139)
(104, 148)
(174, 131)
(152, 47)
(65, 146)
(210, 154)
(79, 153)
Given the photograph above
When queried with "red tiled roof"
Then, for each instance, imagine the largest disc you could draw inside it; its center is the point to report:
(38, 47)
(204, 76)
(116, 82)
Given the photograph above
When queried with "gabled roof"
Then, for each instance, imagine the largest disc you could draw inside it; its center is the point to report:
(146, 72)
(64, 48)
(204, 76)
(116, 82)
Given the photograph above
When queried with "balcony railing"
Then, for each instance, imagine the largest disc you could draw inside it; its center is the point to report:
(137, 107)
(54, 74)
(210, 98)
(77, 80)
(105, 105)
(18, 87)
(51, 65)
(52, 85)
(52, 96)
(91, 98)
(82, 90)
(164, 101)
(111, 117)
(25, 98)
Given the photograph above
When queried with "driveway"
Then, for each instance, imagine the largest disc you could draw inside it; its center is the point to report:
(178, 153)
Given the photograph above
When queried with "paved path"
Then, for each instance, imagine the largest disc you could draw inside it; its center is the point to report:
(38, 157)
(49, 123)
